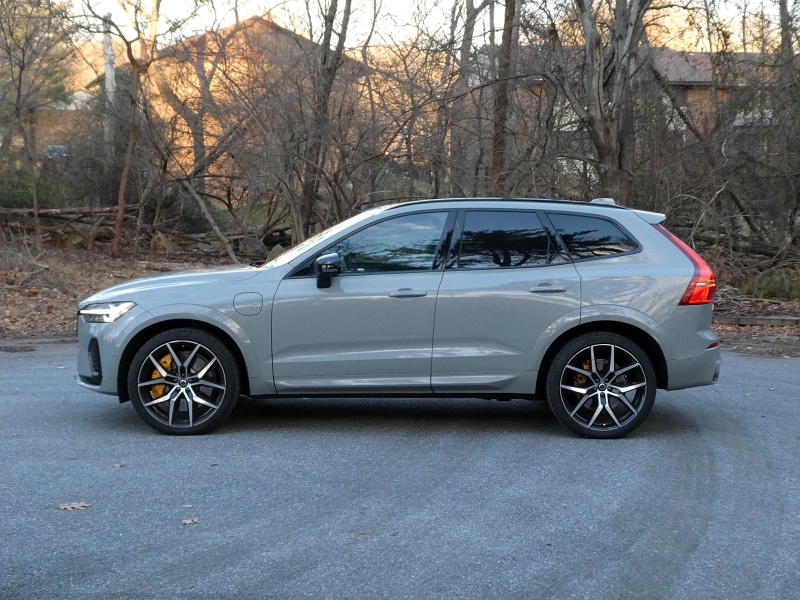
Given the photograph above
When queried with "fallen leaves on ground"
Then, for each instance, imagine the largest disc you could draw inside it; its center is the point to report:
(46, 305)
(74, 506)
(764, 340)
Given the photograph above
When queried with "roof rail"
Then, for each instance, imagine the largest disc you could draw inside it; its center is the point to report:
(609, 201)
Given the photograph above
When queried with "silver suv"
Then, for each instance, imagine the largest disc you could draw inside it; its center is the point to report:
(587, 305)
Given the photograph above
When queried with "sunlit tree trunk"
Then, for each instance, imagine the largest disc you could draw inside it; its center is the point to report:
(504, 72)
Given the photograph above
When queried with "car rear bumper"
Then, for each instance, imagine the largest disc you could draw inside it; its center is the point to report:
(694, 371)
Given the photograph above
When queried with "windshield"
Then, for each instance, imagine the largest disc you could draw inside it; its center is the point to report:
(296, 251)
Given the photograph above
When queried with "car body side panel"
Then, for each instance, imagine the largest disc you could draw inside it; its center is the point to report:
(633, 282)
(365, 333)
(487, 322)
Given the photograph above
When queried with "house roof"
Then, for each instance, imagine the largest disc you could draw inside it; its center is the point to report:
(679, 67)
(260, 33)
(260, 28)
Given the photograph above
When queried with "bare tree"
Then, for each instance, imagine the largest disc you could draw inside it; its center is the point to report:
(505, 71)
(141, 49)
(594, 61)
(34, 52)
(328, 60)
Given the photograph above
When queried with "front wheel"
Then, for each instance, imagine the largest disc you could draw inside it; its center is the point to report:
(183, 382)
(601, 385)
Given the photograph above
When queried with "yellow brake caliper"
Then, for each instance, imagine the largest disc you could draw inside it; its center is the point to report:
(166, 362)
(580, 379)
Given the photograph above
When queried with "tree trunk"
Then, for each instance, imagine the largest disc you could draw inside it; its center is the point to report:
(315, 156)
(28, 131)
(606, 109)
(111, 88)
(128, 164)
(461, 176)
(501, 100)
(210, 220)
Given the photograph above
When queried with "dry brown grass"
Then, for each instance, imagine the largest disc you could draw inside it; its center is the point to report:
(39, 293)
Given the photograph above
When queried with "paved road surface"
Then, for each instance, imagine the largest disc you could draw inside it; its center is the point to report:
(400, 498)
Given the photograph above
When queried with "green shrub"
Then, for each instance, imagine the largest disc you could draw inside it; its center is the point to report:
(783, 284)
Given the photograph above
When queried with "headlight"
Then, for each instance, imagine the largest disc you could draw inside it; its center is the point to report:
(107, 312)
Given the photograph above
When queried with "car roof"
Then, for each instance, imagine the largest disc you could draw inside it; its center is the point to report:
(599, 205)
(605, 202)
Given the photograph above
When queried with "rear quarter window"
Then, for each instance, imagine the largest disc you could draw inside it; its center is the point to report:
(592, 237)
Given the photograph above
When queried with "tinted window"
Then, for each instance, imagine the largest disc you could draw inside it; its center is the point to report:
(503, 239)
(407, 243)
(590, 237)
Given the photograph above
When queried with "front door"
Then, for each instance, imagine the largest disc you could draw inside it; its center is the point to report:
(372, 330)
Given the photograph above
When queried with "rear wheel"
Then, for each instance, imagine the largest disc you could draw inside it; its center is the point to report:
(183, 382)
(601, 385)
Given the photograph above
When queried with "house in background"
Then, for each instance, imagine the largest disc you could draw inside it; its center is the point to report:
(714, 88)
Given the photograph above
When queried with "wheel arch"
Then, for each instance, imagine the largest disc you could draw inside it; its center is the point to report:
(150, 331)
(637, 335)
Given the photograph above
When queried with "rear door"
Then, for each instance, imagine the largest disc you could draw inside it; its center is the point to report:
(504, 287)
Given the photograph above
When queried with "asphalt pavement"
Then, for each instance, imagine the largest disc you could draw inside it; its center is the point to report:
(399, 498)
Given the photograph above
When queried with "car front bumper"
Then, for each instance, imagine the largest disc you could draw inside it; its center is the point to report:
(100, 347)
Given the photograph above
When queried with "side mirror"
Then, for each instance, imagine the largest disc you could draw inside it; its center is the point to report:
(327, 265)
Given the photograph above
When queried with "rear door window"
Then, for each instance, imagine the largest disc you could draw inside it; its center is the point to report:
(498, 239)
(591, 237)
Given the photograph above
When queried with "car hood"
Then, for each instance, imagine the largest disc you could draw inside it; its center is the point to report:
(140, 287)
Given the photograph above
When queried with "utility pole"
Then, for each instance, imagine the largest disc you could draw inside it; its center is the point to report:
(111, 89)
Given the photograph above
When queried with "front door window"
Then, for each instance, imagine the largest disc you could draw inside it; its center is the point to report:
(407, 243)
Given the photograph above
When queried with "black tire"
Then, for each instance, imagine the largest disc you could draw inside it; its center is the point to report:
(601, 385)
(183, 382)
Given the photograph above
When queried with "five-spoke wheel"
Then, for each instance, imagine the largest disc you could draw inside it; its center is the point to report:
(183, 381)
(601, 385)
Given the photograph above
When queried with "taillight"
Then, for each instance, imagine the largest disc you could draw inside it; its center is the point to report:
(703, 286)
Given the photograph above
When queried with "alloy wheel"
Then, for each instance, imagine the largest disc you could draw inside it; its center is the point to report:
(181, 384)
(603, 387)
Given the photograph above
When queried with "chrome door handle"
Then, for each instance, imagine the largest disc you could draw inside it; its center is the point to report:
(407, 293)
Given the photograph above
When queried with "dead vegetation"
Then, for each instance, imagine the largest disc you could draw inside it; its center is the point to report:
(779, 341)
(39, 292)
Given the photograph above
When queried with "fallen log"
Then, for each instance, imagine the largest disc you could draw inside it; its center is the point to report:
(53, 212)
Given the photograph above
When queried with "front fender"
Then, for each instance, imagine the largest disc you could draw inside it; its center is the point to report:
(257, 354)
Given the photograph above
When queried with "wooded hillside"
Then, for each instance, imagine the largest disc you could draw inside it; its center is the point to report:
(144, 136)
